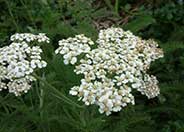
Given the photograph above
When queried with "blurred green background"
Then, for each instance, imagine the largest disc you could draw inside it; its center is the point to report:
(43, 110)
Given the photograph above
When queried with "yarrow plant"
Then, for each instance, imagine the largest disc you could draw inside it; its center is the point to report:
(113, 69)
(19, 60)
(73, 47)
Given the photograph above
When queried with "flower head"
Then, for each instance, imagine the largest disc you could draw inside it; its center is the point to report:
(113, 69)
(19, 60)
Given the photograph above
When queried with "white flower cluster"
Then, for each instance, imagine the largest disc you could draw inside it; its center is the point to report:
(19, 60)
(72, 47)
(28, 37)
(113, 69)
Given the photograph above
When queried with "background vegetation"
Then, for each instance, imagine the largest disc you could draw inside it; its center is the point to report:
(43, 109)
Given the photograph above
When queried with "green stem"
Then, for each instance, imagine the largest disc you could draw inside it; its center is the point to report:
(41, 98)
(59, 94)
(117, 7)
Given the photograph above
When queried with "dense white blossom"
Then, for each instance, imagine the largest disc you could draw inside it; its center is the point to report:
(113, 69)
(28, 37)
(149, 86)
(73, 47)
(19, 60)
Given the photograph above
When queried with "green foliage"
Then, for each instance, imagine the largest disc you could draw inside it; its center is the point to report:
(140, 22)
(43, 110)
(171, 66)
(169, 22)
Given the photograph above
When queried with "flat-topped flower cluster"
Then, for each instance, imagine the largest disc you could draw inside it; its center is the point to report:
(19, 60)
(113, 69)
